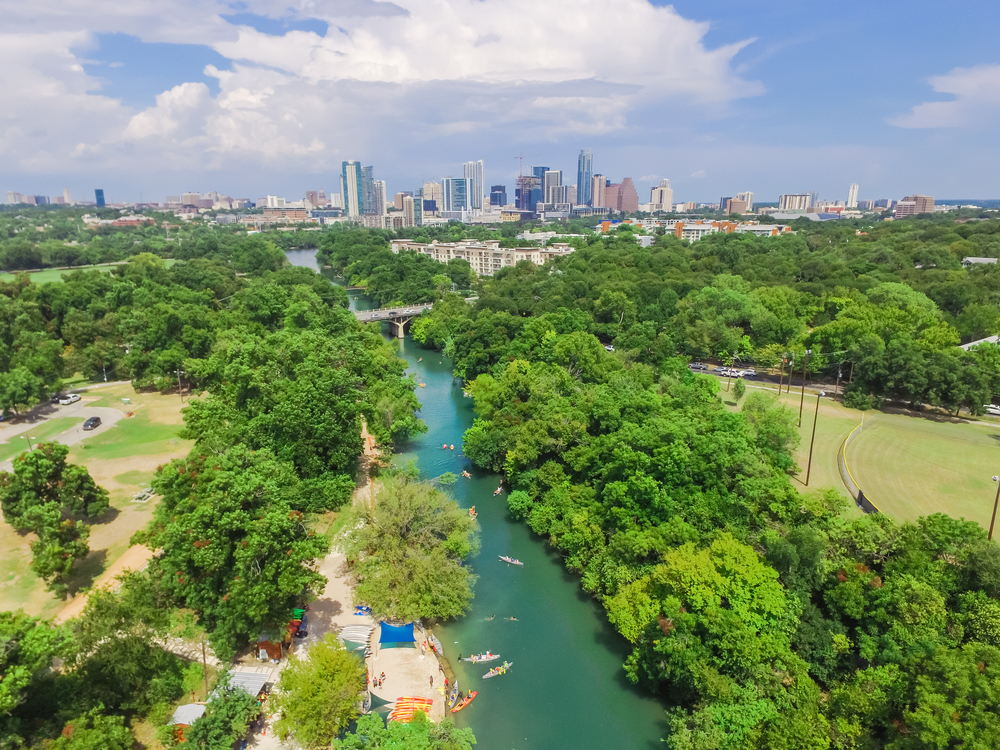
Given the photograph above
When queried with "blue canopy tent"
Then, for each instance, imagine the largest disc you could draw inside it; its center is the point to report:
(391, 636)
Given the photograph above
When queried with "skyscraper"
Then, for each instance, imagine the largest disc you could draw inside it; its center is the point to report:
(66, 197)
(456, 193)
(351, 188)
(597, 190)
(368, 190)
(99, 198)
(663, 196)
(378, 197)
(551, 179)
(498, 195)
(409, 212)
(747, 198)
(537, 194)
(584, 177)
(628, 198)
(475, 173)
(852, 196)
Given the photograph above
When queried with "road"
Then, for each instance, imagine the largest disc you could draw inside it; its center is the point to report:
(38, 416)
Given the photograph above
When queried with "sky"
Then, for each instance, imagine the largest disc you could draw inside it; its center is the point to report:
(156, 97)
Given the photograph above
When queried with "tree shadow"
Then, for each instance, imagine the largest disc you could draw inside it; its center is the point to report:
(106, 517)
(86, 571)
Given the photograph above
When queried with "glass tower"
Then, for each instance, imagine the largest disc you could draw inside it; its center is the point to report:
(584, 177)
(99, 198)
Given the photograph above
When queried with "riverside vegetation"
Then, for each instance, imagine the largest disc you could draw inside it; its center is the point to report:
(767, 618)
(287, 374)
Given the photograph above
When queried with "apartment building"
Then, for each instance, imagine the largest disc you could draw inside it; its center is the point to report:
(485, 256)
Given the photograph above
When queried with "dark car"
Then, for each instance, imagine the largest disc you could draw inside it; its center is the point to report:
(92, 424)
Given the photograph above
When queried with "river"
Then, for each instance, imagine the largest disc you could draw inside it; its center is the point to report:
(567, 688)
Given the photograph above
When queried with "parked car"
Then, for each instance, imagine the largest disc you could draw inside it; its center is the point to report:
(992, 409)
(723, 371)
(92, 424)
(749, 373)
(69, 398)
(609, 347)
(698, 366)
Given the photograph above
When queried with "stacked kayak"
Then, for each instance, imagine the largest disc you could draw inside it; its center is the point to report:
(465, 701)
(407, 707)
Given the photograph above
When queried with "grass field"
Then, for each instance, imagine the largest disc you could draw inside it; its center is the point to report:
(44, 431)
(123, 460)
(912, 466)
(53, 274)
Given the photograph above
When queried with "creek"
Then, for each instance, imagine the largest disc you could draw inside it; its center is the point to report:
(567, 688)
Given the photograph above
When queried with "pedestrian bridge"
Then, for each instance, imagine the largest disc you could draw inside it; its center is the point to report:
(399, 316)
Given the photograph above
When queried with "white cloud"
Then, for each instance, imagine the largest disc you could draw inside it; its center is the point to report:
(385, 80)
(699, 174)
(976, 93)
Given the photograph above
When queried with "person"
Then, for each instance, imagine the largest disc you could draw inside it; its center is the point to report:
(432, 680)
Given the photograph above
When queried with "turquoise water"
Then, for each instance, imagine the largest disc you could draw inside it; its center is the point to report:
(567, 688)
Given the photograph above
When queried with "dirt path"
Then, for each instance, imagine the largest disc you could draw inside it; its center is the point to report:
(135, 559)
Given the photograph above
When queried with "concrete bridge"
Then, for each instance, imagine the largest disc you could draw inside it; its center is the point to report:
(398, 316)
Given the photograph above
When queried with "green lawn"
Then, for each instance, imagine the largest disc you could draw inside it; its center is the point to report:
(43, 432)
(132, 436)
(912, 466)
(52, 274)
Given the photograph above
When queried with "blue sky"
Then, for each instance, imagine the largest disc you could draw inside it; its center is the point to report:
(252, 98)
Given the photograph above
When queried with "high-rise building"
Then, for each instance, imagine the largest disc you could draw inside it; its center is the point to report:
(351, 188)
(498, 195)
(99, 198)
(368, 191)
(407, 204)
(736, 207)
(538, 188)
(598, 191)
(584, 177)
(663, 196)
(66, 199)
(190, 199)
(312, 198)
(551, 179)
(612, 195)
(572, 194)
(475, 173)
(13, 197)
(456, 193)
(795, 202)
(397, 199)
(432, 191)
(378, 197)
(746, 198)
(866, 205)
(912, 205)
(336, 200)
(273, 201)
(724, 202)
(852, 195)
(628, 198)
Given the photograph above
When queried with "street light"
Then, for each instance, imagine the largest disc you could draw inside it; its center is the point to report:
(29, 439)
(813, 439)
(995, 503)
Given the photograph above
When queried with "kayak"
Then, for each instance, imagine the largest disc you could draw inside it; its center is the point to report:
(511, 560)
(502, 669)
(465, 701)
(478, 658)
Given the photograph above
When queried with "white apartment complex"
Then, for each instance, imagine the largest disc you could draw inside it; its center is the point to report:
(485, 256)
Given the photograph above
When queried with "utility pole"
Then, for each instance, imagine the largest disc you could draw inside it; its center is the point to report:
(180, 386)
(791, 371)
(995, 504)
(204, 666)
(836, 391)
(802, 401)
(781, 377)
(813, 439)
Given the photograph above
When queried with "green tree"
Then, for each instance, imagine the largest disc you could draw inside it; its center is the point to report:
(739, 389)
(317, 696)
(29, 646)
(773, 425)
(94, 731)
(373, 733)
(408, 550)
(226, 719)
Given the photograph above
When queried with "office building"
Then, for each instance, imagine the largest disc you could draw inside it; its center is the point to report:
(368, 191)
(273, 201)
(13, 197)
(312, 198)
(584, 177)
(455, 191)
(572, 194)
(378, 198)
(528, 189)
(475, 173)
(662, 196)
(397, 199)
(795, 202)
(912, 205)
(409, 213)
(866, 205)
(538, 188)
(611, 200)
(336, 200)
(351, 188)
(598, 191)
(551, 179)
(735, 207)
(724, 203)
(190, 199)
(66, 199)
(99, 198)
(852, 196)
(498, 195)
(628, 198)
(432, 191)
(746, 198)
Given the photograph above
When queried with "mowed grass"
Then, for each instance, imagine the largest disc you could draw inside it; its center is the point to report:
(912, 466)
(45, 431)
(835, 423)
(133, 436)
(53, 274)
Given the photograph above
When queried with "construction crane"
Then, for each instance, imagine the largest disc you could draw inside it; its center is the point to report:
(520, 177)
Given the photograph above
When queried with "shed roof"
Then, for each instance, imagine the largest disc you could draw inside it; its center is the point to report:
(188, 714)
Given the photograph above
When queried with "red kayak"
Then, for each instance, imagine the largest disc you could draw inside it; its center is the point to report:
(465, 702)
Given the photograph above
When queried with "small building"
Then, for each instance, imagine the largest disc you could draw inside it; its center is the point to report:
(970, 261)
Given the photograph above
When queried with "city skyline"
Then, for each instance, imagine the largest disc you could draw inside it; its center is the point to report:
(711, 95)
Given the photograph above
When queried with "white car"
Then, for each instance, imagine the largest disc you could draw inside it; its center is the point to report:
(609, 348)
(992, 409)
(68, 399)
(749, 373)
